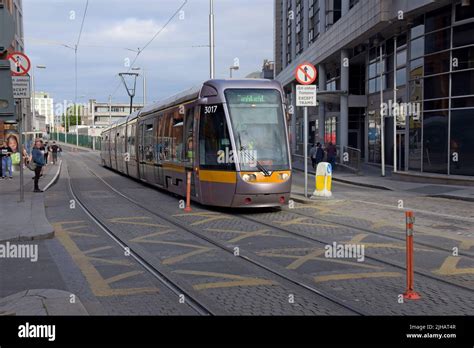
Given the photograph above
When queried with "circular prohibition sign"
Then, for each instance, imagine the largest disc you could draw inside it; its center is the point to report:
(306, 73)
(20, 64)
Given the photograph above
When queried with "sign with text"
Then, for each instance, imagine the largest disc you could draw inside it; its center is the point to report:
(306, 95)
(21, 87)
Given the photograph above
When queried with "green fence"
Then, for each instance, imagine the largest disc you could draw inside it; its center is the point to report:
(73, 139)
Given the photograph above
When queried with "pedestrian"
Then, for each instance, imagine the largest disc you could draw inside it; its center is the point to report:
(54, 151)
(6, 152)
(46, 153)
(37, 156)
(319, 154)
(312, 155)
(331, 153)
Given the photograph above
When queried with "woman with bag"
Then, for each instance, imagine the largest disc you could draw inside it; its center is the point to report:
(37, 157)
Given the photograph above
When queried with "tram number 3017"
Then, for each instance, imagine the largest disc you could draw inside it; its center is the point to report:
(210, 109)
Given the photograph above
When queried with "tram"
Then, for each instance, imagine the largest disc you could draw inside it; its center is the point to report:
(231, 135)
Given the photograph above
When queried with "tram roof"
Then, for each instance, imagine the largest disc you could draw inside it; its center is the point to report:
(195, 92)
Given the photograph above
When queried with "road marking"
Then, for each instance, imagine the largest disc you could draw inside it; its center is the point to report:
(174, 259)
(456, 217)
(130, 221)
(208, 217)
(312, 255)
(449, 267)
(245, 234)
(352, 276)
(236, 280)
(93, 250)
(301, 221)
(98, 285)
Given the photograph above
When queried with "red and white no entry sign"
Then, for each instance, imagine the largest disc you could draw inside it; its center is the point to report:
(306, 73)
(19, 63)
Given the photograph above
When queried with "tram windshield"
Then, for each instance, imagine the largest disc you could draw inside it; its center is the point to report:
(259, 129)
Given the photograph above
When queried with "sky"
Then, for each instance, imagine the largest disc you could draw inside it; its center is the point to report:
(113, 29)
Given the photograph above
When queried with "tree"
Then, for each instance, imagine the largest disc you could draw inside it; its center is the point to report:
(74, 114)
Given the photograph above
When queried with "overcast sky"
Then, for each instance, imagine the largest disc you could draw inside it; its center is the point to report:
(244, 29)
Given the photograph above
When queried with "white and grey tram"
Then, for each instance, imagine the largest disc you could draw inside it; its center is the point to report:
(231, 135)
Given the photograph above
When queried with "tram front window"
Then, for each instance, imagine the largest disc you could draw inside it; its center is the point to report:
(259, 129)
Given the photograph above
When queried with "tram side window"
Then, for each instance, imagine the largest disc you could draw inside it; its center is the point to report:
(165, 143)
(148, 142)
(177, 135)
(214, 140)
(188, 135)
(131, 140)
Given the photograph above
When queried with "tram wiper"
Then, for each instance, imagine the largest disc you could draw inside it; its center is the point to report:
(253, 160)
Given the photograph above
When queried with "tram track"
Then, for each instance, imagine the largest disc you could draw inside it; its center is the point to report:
(324, 243)
(195, 304)
(373, 232)
(256, 263)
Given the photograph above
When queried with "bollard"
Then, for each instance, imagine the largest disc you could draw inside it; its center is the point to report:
(410, 293)
(323, 180)
(188, 192)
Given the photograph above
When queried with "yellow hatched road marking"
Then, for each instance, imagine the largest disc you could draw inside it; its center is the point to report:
(208, 217)
(449, 267)
(303, 221)
(245, 234)
(98, 285)
(131, 221)
(351, 276)
(235, 280)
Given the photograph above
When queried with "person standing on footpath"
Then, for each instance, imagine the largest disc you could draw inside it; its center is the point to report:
(37, 156)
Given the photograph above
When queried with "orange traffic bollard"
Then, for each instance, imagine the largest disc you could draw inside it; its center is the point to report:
(410, 293)
(188, 192)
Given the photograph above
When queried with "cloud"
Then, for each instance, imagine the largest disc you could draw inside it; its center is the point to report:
(174, 61)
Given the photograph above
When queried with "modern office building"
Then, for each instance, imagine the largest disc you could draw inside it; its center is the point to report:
(103, 114)
(44, 105)
(372, 55)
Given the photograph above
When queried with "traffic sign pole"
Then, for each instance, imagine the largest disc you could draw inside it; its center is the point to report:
(20, 65)
(306, 95)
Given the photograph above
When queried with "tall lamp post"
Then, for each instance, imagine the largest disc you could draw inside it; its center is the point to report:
(212, 67)
(33, 97)
(234, 67)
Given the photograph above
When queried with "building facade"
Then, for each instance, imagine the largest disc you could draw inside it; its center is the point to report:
(395, 79)
(101, 115)
(15, 8)
(44, 106)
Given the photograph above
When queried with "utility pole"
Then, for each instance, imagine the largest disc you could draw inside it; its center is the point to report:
(110, 109)
(131, 90)
(211, 39)
(394, 104)
(382, 121)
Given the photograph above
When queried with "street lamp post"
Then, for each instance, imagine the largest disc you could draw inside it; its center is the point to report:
(211, 39)
(33, 101)
(234, 67)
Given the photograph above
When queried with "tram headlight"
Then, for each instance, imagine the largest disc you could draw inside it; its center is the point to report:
(284, 176)
(249, 177)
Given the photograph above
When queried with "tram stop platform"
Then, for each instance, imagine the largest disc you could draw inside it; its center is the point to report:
(433, 185)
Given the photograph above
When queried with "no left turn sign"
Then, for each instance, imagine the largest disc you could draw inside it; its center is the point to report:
(306, 74)
(19, 63)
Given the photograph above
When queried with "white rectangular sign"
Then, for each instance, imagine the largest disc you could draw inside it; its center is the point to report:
(21, 87)
(306, 95)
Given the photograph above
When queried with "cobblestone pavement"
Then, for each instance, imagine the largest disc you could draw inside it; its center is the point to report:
(279, 239)
(224, 283)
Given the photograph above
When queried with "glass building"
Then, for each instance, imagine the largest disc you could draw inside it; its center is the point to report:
(409, 61)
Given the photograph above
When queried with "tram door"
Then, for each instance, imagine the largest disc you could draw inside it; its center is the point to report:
(147, 151)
